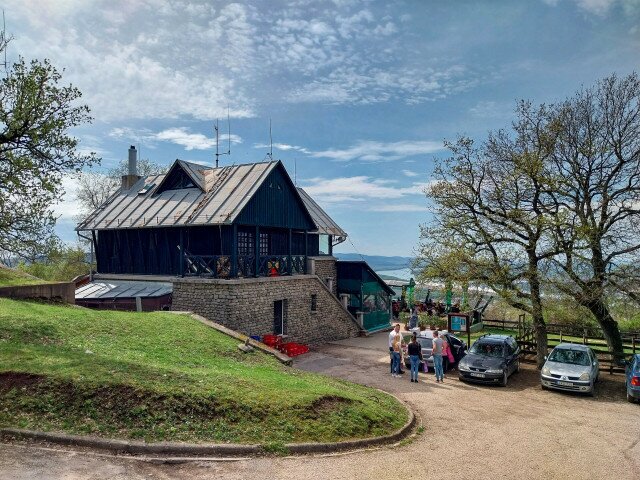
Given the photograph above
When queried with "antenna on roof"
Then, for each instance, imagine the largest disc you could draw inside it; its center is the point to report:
(270, 142)
(4, 41)
(295, 172)
(217, 130)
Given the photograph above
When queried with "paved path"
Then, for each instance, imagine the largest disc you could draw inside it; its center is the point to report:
(471, 432)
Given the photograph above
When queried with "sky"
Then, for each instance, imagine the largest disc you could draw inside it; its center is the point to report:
(360, 94)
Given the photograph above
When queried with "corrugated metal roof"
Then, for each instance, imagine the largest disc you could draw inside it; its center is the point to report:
(324, 222)
(122, 289)
(225, 192)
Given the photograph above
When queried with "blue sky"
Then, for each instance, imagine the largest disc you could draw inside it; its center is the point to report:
(361, 94)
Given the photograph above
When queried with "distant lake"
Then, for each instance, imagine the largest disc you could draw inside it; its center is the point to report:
(403, 273)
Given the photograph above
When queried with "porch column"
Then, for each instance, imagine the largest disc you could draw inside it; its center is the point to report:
(289, 245)
(330, 244)
(181, 255)
(257, 253)
(306, 246)
(234, 252)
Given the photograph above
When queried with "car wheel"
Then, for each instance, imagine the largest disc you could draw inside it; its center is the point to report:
(505, 379)
(517, 366)
(630, 398)
(544, 387)
(591, 392)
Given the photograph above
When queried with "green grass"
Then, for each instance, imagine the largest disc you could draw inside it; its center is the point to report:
(161, 376)
(10, 278)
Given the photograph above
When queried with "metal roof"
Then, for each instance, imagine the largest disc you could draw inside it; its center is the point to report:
(122, 289)
(225, 191)
(323, 221)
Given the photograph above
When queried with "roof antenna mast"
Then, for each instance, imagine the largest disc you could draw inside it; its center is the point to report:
(217, 130)
(270, 142)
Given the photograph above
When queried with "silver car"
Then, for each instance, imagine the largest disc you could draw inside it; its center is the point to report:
(570, 367)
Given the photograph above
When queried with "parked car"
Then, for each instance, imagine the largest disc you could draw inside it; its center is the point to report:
(458, 349)
(570, 367)
(633, 378)
(491, 359)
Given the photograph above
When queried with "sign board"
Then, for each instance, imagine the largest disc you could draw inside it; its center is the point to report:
(458, 323)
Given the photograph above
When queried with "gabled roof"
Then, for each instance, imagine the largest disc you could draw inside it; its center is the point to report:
(221, 196)
(364, 265)
(323, 221)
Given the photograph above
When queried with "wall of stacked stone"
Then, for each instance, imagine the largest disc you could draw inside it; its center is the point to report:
(325, 267)
(247, 305)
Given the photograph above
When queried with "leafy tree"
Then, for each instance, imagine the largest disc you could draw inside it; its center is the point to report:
(36, 150)
(61, 263)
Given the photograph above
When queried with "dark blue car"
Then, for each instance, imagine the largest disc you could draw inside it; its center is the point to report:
(633, 378)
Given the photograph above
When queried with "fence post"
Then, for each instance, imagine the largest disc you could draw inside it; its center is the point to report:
(560, 336)
(633, 344)
(584, 337)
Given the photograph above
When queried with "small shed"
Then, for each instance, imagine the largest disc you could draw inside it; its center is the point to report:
(368, 293)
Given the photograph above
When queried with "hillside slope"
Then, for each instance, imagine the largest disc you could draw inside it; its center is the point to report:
(162, 376)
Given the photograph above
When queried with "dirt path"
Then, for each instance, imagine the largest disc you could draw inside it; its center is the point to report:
(470, 431)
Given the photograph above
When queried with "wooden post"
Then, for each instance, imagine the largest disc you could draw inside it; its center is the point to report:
(584, 337)
(181, 256)
(560, 336)
(289, 246)
(234, 252)
(633, 344)
(256, 252)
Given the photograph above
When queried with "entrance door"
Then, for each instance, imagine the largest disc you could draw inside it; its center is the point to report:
(278, 318)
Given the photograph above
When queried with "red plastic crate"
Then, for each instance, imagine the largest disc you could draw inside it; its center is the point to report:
(273, 341)
(293, 349)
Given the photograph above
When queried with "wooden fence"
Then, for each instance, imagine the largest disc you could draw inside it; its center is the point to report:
(557, 333)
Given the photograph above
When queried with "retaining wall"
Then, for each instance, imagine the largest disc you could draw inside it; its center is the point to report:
(61, 291)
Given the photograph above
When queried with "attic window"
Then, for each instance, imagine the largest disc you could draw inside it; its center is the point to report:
(177, 179)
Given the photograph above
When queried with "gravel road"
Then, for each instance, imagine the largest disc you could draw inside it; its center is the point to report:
(470, 431)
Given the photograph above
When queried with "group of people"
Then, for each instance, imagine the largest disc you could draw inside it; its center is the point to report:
(440, 349)
(432, 308)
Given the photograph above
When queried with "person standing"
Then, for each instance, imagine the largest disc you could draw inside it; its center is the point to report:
(413, 320)
(414, 350)
(397, 355)
(392, 336)
(438, 349)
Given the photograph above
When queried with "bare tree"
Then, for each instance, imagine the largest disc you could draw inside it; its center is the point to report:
(489, 220)
(597, 158)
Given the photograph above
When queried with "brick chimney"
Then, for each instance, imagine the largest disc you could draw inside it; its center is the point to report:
(132, 175)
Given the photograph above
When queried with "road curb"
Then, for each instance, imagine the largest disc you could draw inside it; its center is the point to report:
(175, 449)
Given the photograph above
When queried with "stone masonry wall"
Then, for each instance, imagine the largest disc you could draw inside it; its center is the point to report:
(325, 267)
(246, 305)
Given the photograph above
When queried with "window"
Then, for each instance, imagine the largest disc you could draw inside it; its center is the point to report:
(264, 244)
(314, 302)
(323, 244)
(176, 180)
(245, 244)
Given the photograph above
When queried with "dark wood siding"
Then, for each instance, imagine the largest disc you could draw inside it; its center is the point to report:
(276, 204)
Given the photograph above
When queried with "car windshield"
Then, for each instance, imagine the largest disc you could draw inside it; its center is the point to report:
(487, 349)
(426, 342)
(572, 357)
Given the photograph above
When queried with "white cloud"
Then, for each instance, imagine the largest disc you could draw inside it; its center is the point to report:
(602, 7)
(401, 207)
(282, 146)
(491, 109)
(68, 208)
(410, 173)
(178, 135)
(358, 189)
(372, 151)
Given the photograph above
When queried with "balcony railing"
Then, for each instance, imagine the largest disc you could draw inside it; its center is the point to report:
(220, 266)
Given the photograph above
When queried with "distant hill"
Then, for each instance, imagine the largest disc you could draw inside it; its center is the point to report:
(378, 262)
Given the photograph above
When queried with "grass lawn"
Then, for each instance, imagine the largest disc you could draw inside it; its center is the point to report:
(161, 376)
(10, 278)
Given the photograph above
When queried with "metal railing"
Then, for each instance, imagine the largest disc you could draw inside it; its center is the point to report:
(220, 266)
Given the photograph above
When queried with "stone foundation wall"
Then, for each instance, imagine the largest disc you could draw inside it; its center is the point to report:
(247, 306)
(325, 267)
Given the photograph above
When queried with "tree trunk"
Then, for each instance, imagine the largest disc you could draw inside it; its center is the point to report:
(540, 328)
(608, 325)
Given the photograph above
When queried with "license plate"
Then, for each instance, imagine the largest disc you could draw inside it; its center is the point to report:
(479, 375)
(565, 384)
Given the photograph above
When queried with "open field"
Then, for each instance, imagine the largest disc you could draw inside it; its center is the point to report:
(162, 376)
